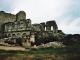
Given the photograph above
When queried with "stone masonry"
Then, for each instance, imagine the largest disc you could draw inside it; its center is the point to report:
(20, 28)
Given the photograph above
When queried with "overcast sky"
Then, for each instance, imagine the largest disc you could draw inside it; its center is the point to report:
(66, 13)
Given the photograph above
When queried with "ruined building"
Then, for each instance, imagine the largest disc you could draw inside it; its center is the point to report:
(17, 26)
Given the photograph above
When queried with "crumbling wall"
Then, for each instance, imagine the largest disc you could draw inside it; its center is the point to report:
(38, 27)
(17, 26)
(28, 24)
(8, 27)
(20, 16)
(52, 24)
(32, 38)
(60, 32)
(21, 25)
(43, 25)
(6, 17)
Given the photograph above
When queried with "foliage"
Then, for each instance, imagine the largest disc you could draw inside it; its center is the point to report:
(67, 53)
(70, 52)
(70, 40)
(46, 39)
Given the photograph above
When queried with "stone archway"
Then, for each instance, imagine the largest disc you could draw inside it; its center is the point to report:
(9, 35)
(51, 25)
(24, 35)
(5, 35)
(14, 35)
(19, 35)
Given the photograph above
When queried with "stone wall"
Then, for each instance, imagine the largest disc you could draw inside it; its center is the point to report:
(17, 26)
(20, 16)
(38, 27)
(43, 25)
(52, 24)
(6, 17)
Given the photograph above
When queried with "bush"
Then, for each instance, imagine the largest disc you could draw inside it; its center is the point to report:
(46, 39)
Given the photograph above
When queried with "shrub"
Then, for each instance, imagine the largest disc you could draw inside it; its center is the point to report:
(46, 39)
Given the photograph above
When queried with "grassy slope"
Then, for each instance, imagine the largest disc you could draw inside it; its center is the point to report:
(67, 53)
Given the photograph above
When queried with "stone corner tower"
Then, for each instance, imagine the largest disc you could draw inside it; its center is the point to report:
(20, 15)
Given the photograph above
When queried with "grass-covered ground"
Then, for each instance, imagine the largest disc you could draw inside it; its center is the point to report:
(71, 52)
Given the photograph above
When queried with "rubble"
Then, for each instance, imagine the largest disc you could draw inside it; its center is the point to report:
(49, 45)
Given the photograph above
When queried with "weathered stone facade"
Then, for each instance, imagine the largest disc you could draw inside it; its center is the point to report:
(20, 15)
(17, 26)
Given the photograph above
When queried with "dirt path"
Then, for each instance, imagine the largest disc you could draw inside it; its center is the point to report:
(13, 48)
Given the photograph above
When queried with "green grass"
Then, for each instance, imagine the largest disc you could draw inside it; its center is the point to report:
(71, 52)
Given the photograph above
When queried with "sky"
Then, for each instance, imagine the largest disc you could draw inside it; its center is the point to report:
(66, 13)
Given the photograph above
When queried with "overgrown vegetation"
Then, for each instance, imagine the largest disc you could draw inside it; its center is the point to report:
(67, 40)
(70, 52)
(46, 39)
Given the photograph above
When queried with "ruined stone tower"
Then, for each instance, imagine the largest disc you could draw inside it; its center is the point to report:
(18, 27)
(8, 17)
(20, 16)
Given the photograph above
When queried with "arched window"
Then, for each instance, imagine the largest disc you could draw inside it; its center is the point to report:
(9, 35)
(45, 28)
(13, 35)
(51, 28)
(24, 35)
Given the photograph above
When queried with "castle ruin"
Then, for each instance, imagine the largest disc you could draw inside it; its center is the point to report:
(18, 27)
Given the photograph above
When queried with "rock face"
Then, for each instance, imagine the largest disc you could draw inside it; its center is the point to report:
(17, 26)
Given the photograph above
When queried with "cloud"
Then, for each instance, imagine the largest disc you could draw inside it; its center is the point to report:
(39, 10)
(66, 13)
(72, 28)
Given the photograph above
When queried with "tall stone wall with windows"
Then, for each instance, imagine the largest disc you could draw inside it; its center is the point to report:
(8, 17)
(49, 24)
(16, 21)
(17, 26)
